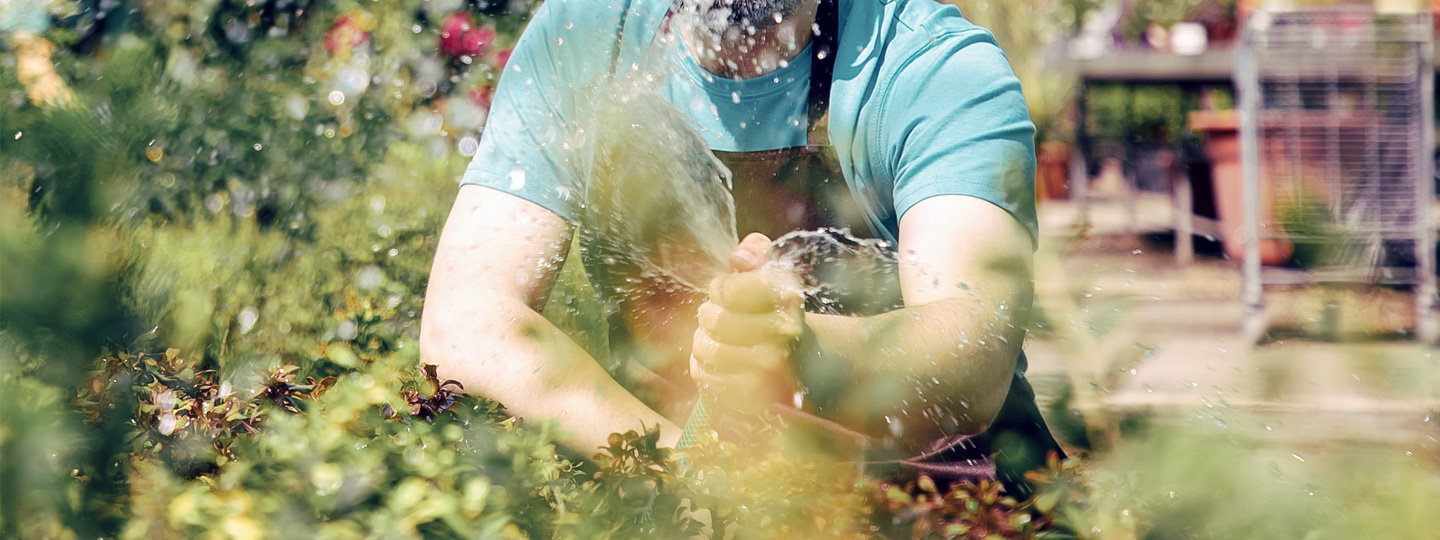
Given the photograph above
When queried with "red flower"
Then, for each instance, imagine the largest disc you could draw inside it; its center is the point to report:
(460, 37)
(482, 95)
(347, 33)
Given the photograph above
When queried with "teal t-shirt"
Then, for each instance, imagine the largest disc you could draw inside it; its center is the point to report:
(923, 103)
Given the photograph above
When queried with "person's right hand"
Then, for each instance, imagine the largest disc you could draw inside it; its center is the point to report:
(748, 329)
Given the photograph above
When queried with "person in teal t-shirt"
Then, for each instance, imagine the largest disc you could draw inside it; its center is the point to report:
(932, 145)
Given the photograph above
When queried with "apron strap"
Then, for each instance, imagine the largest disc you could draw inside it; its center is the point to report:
(822, 69)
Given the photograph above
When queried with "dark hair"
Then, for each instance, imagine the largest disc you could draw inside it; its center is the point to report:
(759, 14)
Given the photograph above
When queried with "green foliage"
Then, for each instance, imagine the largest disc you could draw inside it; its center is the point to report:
(1321, 236)
(212, 262)
(1213, 477)
(394, 452)
(1119, 113)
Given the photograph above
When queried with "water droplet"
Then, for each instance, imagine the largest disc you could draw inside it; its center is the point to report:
(336, 97)
(258, 146)
(468, 146)
(735, 97)
(165, 400)
(415, 28)
(154, 153)
(347, 331)
(897, 428)
(18, 134)
(517, 180)
(247, 319)
(167, 424)
(369, 277)
(1297, 456)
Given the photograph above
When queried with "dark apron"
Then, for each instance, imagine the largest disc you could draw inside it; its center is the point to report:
(803, 188)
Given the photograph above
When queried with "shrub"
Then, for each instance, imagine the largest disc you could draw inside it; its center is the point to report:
(212, 253)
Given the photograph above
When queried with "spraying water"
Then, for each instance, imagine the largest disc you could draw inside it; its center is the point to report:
(660, 217)
(658, 202)
(838, 272)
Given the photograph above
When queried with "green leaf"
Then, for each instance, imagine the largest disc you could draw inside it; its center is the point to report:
(341, 355)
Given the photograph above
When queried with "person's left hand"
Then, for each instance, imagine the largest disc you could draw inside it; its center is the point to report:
(748, 328)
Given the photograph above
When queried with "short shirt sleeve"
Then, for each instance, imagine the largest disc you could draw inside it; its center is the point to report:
(956, 123)
(523, 148)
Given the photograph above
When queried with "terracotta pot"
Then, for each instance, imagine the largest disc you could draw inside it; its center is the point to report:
(1222, 147)
(1052, 174)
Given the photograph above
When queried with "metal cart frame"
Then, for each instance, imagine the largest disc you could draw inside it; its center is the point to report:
(1337, 122)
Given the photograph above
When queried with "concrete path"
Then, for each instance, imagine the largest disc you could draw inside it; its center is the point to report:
(1153, 336)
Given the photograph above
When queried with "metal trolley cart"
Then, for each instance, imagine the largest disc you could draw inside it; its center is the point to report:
(1337, 138)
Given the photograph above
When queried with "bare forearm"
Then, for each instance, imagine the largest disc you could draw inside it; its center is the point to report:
(941, 368)
(536, 371)
(942, 365)
(496, 263)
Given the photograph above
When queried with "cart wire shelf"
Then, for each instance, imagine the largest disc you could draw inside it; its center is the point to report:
(1337, 145)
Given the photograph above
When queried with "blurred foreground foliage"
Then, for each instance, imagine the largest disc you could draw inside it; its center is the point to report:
(392, 452)
(213, 247)
(214, 241)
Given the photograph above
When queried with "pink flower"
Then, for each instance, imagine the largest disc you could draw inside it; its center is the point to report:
(347, 33)
(502, 57)
(482, 95)
(460, 37)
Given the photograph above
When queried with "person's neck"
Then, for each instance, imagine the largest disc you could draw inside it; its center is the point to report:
(741, 53)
